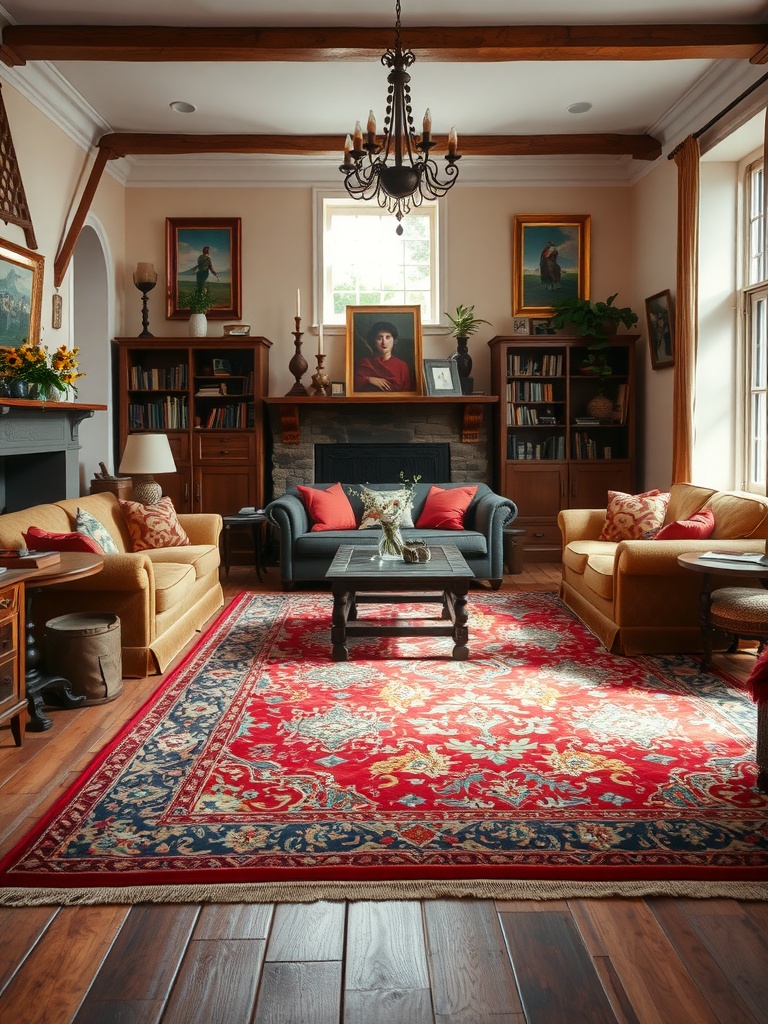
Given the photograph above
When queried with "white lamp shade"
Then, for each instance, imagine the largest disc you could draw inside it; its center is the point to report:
(147, 454)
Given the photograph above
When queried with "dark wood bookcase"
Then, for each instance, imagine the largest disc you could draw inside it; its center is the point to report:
(550, 453)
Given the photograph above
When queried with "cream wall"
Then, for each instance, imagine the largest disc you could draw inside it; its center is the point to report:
(54, 170)
(277, 226)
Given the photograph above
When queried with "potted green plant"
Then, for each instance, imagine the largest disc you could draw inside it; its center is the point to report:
(463, 324)
(198, 302)
(596, 321)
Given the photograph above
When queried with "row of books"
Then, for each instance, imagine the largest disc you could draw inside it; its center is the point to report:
(548, 448)
(170, 413)
(529, 391)
(174, 378)
(549, 364)
(585, 447)
(229, 416)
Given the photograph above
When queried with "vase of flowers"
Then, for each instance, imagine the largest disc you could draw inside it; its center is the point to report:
(387, 508)
(33, 370)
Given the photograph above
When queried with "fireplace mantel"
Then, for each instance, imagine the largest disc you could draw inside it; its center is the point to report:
(473, 409)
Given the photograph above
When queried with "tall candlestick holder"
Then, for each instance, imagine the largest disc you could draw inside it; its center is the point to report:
(298, 364)
(320, 383)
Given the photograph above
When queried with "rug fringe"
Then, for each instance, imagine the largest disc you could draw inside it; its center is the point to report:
(309, 892)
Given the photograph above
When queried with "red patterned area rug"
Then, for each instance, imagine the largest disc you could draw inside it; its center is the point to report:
(540, 759)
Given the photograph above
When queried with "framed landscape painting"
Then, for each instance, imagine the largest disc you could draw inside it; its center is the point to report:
(203, 253)
(550, 260)
(384, 350)
(21, 295)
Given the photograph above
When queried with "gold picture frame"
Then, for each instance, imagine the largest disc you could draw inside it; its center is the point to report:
(399, 369)
(550, 260)
(21, 299)
(204, 252)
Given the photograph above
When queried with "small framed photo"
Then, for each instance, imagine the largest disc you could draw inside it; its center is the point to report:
(550, 260)
(441, 377)
(541, 325)
(661, 339)
(383, 350)
(221, 368)
(22, 271)
(338, 389)
(521, 325)
(203, 253)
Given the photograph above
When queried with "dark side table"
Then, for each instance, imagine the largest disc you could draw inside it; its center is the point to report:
(253, 522)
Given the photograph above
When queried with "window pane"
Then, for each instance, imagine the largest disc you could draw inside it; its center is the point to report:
(366, 263)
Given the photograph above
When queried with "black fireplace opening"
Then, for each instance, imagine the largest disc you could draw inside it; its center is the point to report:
(365, 463)
(37, 478)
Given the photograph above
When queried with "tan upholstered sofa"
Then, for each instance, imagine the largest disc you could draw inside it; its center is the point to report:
(633, 594)
(161, 597)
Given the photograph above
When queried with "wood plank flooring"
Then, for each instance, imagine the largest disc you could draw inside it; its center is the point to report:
(631, 961)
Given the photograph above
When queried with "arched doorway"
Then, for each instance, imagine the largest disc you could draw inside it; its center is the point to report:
(92, 306)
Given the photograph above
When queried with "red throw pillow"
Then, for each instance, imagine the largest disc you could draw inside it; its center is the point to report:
(328, 509)
(153, 526)
(700, 526)
(42, 540)
(444, 509)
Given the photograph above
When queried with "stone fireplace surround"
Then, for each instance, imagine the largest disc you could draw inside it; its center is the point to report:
(335, 421)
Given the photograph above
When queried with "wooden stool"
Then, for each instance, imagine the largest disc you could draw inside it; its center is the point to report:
(742, 612)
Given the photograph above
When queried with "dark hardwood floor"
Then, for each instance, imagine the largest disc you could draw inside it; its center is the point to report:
(581, 961)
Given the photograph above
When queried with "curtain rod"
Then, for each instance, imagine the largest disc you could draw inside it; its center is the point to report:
(718, 117)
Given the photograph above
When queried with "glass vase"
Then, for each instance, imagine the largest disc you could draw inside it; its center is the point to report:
(391, 542)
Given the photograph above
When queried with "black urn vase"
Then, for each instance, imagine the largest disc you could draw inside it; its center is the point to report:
(463, 361)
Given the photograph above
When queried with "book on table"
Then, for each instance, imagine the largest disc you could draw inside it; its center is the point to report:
(11, 558)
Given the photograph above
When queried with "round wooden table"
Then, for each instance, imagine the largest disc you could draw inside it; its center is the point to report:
(44, 687)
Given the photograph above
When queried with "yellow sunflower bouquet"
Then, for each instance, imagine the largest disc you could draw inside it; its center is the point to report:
(35, 365)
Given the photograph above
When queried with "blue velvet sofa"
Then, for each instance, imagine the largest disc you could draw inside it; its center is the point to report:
(306, 556)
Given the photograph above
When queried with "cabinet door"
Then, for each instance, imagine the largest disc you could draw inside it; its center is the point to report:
(590, 482)
(223, 489)
(537, 488)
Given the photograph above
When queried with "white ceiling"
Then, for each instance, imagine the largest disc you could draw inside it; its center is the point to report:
(661, 98)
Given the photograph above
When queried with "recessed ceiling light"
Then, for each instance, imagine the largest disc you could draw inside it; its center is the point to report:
(579, 108)
(182, 108)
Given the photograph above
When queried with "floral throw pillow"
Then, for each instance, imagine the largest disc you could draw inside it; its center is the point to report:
(634, 516)
(383, 503)
(153, 526)
(91, 527)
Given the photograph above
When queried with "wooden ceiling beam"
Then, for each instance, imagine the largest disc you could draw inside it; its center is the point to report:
(152, 44)
(640, 147)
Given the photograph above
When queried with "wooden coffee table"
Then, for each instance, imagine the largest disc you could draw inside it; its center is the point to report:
(357, 575)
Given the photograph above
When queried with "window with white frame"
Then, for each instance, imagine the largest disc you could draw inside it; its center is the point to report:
(756, 329)
(366, 263)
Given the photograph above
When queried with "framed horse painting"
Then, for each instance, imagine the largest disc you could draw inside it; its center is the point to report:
(550, 261)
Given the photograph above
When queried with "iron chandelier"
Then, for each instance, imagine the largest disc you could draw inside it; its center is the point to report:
(399, 173)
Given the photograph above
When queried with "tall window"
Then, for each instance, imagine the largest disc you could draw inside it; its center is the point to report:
(756, 329)
(365, 263)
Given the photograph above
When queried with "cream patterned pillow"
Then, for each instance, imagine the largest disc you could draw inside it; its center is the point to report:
(90, 526)
(634, 516)
(376, 499)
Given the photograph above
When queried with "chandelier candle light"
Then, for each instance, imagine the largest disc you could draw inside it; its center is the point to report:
(403, 175)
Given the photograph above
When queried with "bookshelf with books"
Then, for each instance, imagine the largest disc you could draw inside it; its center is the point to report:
(553, 448)
(206, 395)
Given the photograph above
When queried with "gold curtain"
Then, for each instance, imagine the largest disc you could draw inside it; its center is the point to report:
(686, 308)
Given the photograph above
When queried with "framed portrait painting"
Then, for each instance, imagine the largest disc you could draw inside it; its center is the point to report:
(21, 295)
(550, 260)
(383, 350)
(203, 253)
(661, 339)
